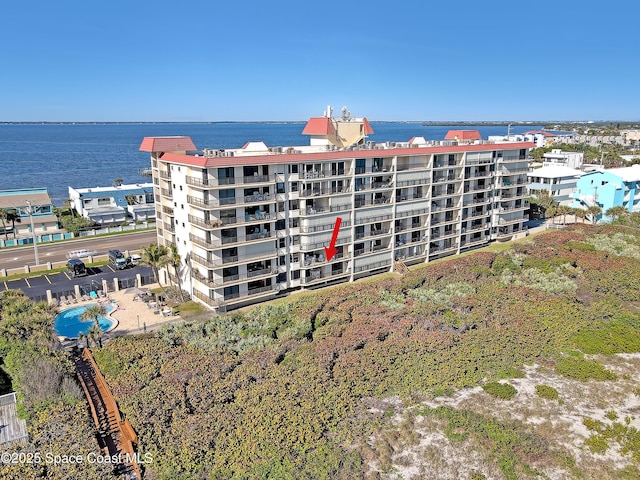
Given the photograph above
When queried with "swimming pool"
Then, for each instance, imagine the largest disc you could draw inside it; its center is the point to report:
(69, 324)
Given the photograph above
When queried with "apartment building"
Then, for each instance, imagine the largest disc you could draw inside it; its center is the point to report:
(253, 222)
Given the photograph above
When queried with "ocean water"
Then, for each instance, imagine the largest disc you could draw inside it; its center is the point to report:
(57, 156)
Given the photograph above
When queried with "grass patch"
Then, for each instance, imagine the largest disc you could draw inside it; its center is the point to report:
(190, 308)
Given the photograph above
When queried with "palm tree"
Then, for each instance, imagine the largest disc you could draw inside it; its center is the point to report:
(118, 182)
(176, 262)
(3, 218)
(95, 334)
(594, 211)
(564, 211)
(13, 216)
(580, 213)
(616, 213)
(551, 213)
(94, 312)
(156, 256)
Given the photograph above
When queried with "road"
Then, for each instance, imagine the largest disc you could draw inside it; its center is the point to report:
(56, 252)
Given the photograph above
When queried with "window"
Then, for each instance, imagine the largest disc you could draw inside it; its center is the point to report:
(295, 274)
(293, 168)
(282, 243)
(279, 187)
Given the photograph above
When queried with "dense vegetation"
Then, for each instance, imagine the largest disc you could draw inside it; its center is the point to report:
(282, 390)
(49, 395)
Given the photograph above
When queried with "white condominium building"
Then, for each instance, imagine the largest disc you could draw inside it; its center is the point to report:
(253, 222)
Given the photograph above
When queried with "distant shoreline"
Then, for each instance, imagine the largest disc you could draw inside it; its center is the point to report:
(439, 123)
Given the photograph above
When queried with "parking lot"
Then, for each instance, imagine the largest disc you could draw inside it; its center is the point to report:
(63, 284)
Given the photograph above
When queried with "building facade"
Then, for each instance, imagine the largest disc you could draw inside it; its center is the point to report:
(614, 187)
(254, 222)
(559, 182)
(557, 157)
(114, 205)
(33, 211)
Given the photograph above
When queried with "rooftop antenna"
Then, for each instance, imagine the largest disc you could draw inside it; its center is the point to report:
(328, 112)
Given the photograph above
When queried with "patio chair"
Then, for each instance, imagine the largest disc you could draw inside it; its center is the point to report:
(94, 295)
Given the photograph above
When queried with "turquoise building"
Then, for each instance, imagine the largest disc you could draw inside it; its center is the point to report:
(616, 187)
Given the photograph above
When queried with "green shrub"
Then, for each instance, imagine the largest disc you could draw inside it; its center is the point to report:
(546, 392)
(597, 444)
(503, 391)
(579, 368)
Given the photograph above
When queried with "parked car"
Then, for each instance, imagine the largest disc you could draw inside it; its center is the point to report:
(76, 268)
(134, 259)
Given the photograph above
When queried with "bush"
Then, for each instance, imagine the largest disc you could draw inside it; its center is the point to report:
(503, 391)
(546, 392)
(579, 368)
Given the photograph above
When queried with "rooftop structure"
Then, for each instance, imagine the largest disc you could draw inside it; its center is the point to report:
(254, 222)
(463, 136)
(557, 157)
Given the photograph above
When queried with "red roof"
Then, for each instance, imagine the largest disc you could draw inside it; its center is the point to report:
(167, 144)
(319, 126)
(367, 127)
(262, 159)
(463, 135)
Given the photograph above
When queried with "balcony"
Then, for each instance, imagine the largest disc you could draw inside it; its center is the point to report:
(213, 182)
(323, 227)
(372, 202)
(318, 192)
(209, 301)
(410, 183)
(372, 266)
(224, 241)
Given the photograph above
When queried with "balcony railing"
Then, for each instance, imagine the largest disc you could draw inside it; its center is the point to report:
(213, 182)
(209, 301)
(409, 183)
(372, 266)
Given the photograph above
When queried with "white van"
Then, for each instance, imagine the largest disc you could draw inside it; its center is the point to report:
(82, 253)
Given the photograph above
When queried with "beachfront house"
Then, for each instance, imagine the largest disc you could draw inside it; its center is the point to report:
(114, 205)
(30, 212)
(614, 187)
(558, 181)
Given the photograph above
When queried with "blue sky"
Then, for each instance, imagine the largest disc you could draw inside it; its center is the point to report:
(210, 60)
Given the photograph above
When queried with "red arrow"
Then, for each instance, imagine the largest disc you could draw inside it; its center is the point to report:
(331, 250)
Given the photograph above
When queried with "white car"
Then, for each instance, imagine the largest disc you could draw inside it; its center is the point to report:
(134, 259)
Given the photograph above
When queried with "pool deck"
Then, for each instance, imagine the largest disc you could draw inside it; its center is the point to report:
(130, 316)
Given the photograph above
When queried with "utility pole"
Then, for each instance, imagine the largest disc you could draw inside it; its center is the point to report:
(30, 211)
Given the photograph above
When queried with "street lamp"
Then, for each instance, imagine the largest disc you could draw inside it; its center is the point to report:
(30, 211)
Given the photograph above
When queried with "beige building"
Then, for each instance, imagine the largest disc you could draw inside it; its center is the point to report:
(254, 222)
